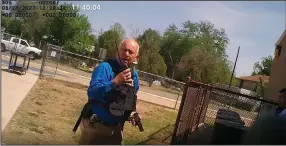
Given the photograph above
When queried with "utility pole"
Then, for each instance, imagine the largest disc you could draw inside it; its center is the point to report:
(233, 73)
(234, 67)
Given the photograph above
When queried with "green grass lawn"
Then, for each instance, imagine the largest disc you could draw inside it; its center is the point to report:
(50, 110)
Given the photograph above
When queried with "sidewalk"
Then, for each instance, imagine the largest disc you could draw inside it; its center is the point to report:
(14, 90)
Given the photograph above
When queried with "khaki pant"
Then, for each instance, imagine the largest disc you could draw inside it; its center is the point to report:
(99, 134)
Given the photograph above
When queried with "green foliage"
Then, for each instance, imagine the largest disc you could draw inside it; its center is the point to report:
(118, 28)
(204, 66)
(150, 59)
(207, 62)
(172, 48)
(73, 33)
(35, 27)
(261, 88)
(197, 48)
(263, 67)
(109, 40)
(12, 26)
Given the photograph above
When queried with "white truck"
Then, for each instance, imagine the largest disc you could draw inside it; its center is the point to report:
(20, 46)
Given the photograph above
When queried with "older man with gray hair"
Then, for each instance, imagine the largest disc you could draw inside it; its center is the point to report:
(112, 101)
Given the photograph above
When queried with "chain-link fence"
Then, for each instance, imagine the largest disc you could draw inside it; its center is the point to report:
(162, 86)
(202, 104)
(63, 64)
(51, 57)
(57, 59)
(60, 63)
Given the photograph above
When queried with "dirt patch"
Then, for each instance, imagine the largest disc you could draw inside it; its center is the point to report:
(49, 112)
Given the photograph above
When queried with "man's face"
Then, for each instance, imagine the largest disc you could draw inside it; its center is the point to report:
(282, 99)
(128, 52)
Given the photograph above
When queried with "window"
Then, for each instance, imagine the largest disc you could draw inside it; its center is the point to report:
(15, 40)
(23, 43)
(279, 48)
(277, 52)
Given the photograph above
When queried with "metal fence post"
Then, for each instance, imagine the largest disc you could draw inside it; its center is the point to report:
(58, 61)
(178, 120)
(44, 60)
(178, 98)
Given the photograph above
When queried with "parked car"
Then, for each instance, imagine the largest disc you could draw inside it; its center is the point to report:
(21, 46)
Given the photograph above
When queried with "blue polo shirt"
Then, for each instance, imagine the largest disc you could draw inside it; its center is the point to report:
(100, 84)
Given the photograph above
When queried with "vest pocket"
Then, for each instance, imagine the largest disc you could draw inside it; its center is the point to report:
(117, 108)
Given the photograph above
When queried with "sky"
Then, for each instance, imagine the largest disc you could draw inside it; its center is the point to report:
(254, 26)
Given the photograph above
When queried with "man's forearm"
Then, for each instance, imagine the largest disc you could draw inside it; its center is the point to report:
(97, 90)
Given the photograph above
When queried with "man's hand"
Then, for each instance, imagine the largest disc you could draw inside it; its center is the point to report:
(123, 77)
(135, 119)
(132, 119)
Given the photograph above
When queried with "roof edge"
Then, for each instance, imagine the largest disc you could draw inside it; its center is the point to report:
(281, 38)
(248, 78)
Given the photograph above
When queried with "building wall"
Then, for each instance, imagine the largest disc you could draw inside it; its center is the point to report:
(277, 79)
(249, 85)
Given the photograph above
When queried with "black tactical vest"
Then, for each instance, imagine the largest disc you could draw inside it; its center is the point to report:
(121, 101)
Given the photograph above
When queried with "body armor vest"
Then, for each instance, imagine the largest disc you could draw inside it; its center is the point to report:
(121, 100)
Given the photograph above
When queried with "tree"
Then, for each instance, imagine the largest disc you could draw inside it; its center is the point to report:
(204, 33)
(150, 59)
(197, 63)
(5, 21)
(35, 25)
(263, 67)
(12, 26)
(177, 43)
(71, 32)
(74, 33)
(118, 28)
(204, 67)
(110, 40)
(170, 48)
(135, 31)
(261, 87)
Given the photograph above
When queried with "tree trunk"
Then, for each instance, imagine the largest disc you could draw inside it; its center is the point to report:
(169, 71)
(172, 67)
(173, 72)
(21, 31)
(37, 41)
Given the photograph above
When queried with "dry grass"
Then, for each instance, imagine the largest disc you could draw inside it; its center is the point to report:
(157, 90)
(50, 110)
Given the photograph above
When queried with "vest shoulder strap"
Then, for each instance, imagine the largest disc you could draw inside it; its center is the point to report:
(116, 67)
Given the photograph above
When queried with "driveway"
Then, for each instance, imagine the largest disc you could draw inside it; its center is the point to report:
(14, 90)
